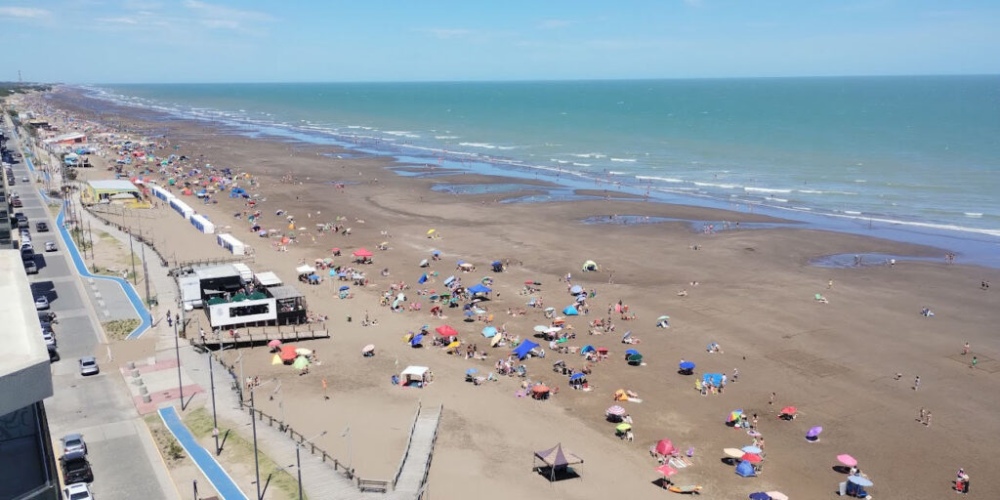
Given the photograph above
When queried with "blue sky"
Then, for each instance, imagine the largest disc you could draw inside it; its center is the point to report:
(121, 41)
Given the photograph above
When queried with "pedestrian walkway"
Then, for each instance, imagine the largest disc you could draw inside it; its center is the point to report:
(201, 457)
(414, 472)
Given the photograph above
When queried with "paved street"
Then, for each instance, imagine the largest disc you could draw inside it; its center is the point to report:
(125, 460)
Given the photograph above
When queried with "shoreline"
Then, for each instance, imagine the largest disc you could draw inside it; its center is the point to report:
(971, 245)
(834, 361)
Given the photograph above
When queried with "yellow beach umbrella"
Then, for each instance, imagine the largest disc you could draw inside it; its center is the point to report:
(430, 231)
(276, 360)
(453, 345)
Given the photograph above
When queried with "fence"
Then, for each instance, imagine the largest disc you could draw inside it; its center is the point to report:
(406, 452)
(421, 495)
(300, 439)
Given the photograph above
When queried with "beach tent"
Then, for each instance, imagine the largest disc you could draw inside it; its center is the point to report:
(745, 469)
(587, 348)
(714, 378)
(422, 279)
(570, 311)
(524, 348)
(556, 458)
(479, 288)
(497, 266)
(576, 290)
(446, 331)
(489, 331)
(589, 266)
(665, 447)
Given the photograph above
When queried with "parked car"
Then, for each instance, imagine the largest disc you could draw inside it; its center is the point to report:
(73, 442)
(41, 227)
(30, 267)
(16, 203)
(88, 366)
(47, 317)
(50, 246)
(78, 491)
(76, 468)
(41, 303)
(50, 340)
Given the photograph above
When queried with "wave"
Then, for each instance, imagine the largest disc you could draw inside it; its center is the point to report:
(402, 133)
(588, 155)
(445, 137)
(974, 215)
(716, 185)
(766, 190)
(581, 164)
(623, 160)
(661, 179)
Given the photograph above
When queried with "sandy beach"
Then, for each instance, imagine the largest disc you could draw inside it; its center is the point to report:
(752, 291)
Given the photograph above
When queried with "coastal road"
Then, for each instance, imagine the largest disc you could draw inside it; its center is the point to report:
(125, 461)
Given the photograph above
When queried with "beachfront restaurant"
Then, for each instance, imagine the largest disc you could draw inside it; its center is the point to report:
(218, 281)
(119, 192)
(291, 304)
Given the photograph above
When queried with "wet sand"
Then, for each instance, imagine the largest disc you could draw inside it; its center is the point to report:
(835, 362)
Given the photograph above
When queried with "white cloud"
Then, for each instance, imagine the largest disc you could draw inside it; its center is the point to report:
(554, 24)
(221, 17)
(447, 33)
(118, 20)
(23, 12)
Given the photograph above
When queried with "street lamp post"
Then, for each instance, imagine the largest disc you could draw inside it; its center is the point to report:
(298, 459)
(215, 419)
(177, 350)
(131, 249)
(253, 420)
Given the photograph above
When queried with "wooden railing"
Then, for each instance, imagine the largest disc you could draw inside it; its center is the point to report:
(406, 452)
(430, 456)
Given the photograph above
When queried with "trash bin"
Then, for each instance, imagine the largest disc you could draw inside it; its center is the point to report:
(843, 488)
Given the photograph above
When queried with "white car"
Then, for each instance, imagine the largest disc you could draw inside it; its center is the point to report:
(88, 366)
(41, 303)
(78, 491)
(50, 246)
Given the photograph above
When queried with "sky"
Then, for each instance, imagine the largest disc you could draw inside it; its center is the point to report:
(209, 41)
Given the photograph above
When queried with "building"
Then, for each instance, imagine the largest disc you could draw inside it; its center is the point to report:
(71, 139)
(111, 191)
(27, 460)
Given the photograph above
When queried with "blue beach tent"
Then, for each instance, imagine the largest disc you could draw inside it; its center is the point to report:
(570, 311)
(479, 288)
(714, 378)
(745, 469)
(524, 348)
(423, 279)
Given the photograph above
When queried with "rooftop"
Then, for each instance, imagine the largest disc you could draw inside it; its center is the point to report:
(213, 272)
(284, 292)
(25, 375)
(113, 185)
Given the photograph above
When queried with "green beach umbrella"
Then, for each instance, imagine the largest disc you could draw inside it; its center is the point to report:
(301, 363)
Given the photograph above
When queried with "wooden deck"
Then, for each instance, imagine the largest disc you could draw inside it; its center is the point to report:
(258, 337)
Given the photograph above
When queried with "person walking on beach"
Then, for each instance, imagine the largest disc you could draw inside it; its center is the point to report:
(928, 421)
(916, 383)
(975, 360)
(923, 415)
(771, 402)
(965, 349)
(736, 375)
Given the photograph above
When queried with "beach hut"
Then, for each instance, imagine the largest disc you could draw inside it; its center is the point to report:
(415, 376)
(556, 459)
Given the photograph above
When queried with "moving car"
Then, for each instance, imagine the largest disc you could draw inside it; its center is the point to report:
(78, 491)
(41, 303)
(50, 246)
(76, 468)
(73, 442)
(88, 366)
(42, 227)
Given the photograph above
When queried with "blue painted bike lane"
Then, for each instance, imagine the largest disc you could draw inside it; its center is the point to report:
(206, 463)
(146, 321)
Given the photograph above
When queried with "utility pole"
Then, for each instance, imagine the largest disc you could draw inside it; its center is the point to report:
(177, 350)
(215, 419)
(145, 268)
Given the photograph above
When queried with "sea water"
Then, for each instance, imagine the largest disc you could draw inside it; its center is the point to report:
(911, 155)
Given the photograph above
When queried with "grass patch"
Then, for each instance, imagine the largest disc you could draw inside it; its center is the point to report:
(120, 328)
(169, 448)
(239, 449)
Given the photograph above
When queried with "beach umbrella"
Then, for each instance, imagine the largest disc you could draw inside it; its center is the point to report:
(435, 252)
(616, 410)
(489, 331)
(453, 345)
(417, 339)
(577, 376)
(623, 427)
(627, 335)
(751, 449)
(847, 460)
(687, 366)
(752, 458)
(431, 231)
(540, 389)
(664, 447)
(666, 470)
(362, 252)
(733, 452)
(861, 481)
(814, 432)
(634, 359)
(631, 352)
(424, 263)
(540, 328)
(788, 410)
(471, 371)
(777, 495)
(446, 331)
(496, 340)
(576, 290)
(302, 351)
(274, 343)
(553, 329)
(662, 318)
(368, 348)
(276, 360)
(288, 353)
(344, 288)
(301, 363)
(759, 495)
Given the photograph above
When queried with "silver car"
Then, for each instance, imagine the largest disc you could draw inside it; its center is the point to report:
(88, 366)
(73, 442)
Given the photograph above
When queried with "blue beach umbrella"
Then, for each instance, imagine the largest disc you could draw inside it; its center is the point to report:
(489, 331)
(471, 371)
(751, 449)
(417, 339)
(344, 288)
(631, 352)
(687, 365)
(577, 376)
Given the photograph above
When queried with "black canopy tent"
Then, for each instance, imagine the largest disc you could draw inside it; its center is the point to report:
(555, 458)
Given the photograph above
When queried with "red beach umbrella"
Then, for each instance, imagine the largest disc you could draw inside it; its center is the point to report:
(288, 353)
(446, 331)
(788, 410)
(363, 252)
(664, 447)
(752, 458)
(666, 470)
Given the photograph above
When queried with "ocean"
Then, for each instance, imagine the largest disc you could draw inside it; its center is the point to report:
(908, 158)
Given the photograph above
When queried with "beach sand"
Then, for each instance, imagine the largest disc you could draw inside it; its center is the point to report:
(835, 362)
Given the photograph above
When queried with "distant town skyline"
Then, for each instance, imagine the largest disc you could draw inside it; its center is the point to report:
(140, 41)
